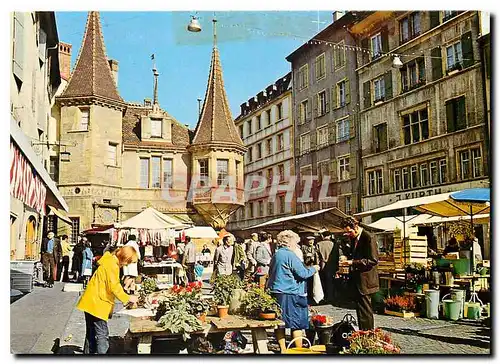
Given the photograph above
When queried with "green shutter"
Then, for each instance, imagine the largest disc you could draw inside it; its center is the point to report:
(461, 114)
(450, 116)
(383, 137)
(334, 96)
(365, 45)
(437, 65)
(352, 165)
(388, 85)
(434, 18)
(327, 101)
(384, 34)
(467, 51)
(347, 91)
(367, 94)
(333, 170)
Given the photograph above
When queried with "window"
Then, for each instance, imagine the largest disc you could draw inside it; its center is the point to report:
(75, 229)
(323, 170)
(476, 162)
(156, 128)
(344, 169)
(155, 168)
(270, 208)
(434, 173)
(250, 127)
(303, 111)
(280, 142)
(261, 208)
(281, 172)
(339, 52)
(222, 171)
(397, 179)
(84, 119)
(320, 68)
(204, 172)
(348, 205)
(269, 176)
(414, 176)
(303, 76)
(54, 168)
(322, 136)
(456, 117)
(343, 130)
(167, 173)
(259, 151)
(454, 57)
(413, 74)
(415, 127)
(322, 103)
(409, 27)
(406, 178)
(424, 175)
(250, 152)
(281, 201)
(442, 170)
(250, 210)
(279, 109)
(305, 143)
(375, 182)
(379, 89)
(238, 172)
(144, 183)
(380, 133)
(241, 131)
(269, 146)
(268, 117)
(470, 163)
(376, 45)
(343, 97)
(259, 124)
(448, 14)
(112, 151)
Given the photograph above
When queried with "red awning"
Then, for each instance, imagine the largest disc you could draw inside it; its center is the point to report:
(97, 229)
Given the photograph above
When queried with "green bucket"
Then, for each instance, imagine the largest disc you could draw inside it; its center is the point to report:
(473, 310)
(461, 266)
(452, 309)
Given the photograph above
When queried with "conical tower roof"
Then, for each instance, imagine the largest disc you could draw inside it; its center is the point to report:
(92, 74)
(215, 125)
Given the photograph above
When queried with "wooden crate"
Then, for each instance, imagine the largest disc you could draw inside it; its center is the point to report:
(402, 314)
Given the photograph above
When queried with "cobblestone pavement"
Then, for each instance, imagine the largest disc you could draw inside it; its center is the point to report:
(38, 318)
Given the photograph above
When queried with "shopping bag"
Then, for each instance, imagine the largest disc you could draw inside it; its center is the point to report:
(342, 330)
(318, 294)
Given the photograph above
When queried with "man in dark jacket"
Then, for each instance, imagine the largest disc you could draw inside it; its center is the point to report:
(48, 251)
(364, 270)
(327, 265)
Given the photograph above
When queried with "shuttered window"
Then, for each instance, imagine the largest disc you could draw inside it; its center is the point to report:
(367, 102)
(437, 66)
(320, 66)
(455, 114)
(380, 137)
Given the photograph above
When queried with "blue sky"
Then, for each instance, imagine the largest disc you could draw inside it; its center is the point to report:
(253, 47)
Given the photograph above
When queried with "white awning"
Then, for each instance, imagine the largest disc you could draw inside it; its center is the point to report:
(25, 146)
(402, 204)
(152, 219)
(201, 232)
(390, 224)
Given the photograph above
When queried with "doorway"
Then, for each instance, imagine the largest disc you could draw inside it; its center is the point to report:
(29, 242)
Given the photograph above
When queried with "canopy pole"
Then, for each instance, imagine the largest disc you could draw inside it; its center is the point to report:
(404, 246)
(472, 245)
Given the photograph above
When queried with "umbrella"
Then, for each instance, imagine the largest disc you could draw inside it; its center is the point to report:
(467, 202)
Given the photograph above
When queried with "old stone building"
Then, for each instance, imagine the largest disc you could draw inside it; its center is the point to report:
(127, 156)
(265, 125)
(325, 104)
(422, 124)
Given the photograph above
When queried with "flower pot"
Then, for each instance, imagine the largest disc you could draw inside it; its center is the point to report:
(267, 315)
(222, 311)
(324, 334)
(202, 317)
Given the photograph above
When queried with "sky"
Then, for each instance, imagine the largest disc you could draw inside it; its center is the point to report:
(253, 46)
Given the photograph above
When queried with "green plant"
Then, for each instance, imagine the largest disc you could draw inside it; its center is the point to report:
(149, 285)
(258, 300)
(179, 321)
(223, 288)
(371, 342)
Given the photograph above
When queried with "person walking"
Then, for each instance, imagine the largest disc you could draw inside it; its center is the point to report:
(130, 271)
(310, 255)
(287, 280)
(98, 299)
(251, 247)
(239, 258)
(327, 265)
(76, 264)
(87, 256)
(65, 250)
(263, 255)
(189, 259)
(223, 258)
(364, 270)
(48, 262)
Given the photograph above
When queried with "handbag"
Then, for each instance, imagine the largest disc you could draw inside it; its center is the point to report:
(342, 330)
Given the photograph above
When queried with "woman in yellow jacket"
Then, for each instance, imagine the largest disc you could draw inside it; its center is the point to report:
(99, 297)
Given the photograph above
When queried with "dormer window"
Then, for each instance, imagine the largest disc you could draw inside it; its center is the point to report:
(156, 128)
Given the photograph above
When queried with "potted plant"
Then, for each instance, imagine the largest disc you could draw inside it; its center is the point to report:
(179, 321)
(223, 288)
(323, 325)
(371, 342)
(258, 303)
(400, 306)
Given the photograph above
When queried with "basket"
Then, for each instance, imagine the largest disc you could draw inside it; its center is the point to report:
(311, 350)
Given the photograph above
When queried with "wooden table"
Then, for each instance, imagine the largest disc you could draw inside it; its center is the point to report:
(146, 329)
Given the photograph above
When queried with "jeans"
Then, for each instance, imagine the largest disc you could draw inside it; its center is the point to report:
(97, 335)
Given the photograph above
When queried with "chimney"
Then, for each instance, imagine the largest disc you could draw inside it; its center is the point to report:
(65, 60)
(337, 15)
(113, 65)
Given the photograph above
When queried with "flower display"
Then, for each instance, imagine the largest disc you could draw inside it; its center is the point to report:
(400, 303)
(371, 342)
(321, 320)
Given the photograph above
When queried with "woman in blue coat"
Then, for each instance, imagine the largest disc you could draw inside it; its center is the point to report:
(87, 256)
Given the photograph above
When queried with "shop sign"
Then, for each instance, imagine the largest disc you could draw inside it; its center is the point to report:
(416, 194)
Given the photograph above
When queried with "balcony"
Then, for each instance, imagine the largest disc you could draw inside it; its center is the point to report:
(215, 195)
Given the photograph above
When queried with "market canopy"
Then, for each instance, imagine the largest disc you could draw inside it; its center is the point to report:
(389, 224)
(308, 222)
(478, 219)
(152, 219)
(467, 202)
(201, 232)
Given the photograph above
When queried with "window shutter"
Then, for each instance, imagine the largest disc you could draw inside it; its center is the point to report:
(312, 140)
(367, 94)
(437, 65)
(347, 91)
(388, 85)
(434, 19)
(449, 117)
(352, 127)
(331, 133)
(18, 61)
(384, 34)
(467, 51)
(365, 45)
(333, 170)
(383, 137)
(352, 165)
(316, 105)
(334, 96)
(145, 127)
(327, 100)
(309, 107)
(461, 116)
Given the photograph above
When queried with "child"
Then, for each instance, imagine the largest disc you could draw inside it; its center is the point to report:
(198, 271)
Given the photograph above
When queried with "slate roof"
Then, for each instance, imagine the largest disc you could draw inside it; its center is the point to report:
(92, 75)
(215, 125)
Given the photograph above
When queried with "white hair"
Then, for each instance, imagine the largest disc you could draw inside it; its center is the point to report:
(288, 238)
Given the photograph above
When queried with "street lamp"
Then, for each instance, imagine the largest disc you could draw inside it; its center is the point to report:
(396, 62)
(194, 25)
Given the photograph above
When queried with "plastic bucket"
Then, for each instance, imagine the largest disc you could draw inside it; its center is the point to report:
(452, 309)
(432, 303)
(459, 295)
(473, 310)
(461, 266)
